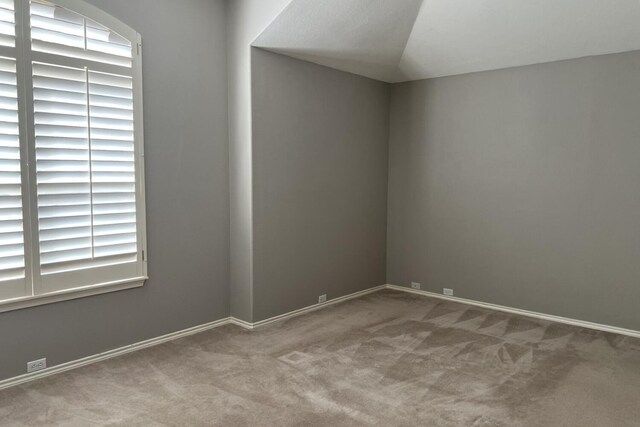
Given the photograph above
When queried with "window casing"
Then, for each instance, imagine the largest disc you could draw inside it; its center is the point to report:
(72, 218)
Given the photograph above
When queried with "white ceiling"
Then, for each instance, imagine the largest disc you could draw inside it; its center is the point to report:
(365, 37)
(400, 40)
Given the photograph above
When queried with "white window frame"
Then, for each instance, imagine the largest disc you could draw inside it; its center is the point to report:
(22, 52)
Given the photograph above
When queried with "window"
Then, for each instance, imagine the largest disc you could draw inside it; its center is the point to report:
(72, 220)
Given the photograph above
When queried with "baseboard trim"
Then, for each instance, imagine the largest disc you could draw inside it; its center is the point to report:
(241, 323)
(67, 366)
(528, 313)
(305, 310)
(21, 379)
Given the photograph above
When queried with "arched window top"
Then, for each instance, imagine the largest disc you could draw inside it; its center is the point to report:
(95, 14)
(75, 29)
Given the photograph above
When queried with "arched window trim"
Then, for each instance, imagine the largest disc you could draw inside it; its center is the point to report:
(34, 293)
(92, 12)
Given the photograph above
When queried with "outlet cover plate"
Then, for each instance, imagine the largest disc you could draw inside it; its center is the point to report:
(447, 291)
(36, 365)
(322, 298)
(415, 285)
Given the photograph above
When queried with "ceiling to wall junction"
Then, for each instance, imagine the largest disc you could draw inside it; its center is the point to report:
(402, 40)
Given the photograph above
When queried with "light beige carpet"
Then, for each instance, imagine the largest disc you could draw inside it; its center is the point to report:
(388, 359)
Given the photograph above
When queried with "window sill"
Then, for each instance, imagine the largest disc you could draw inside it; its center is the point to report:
(50, 298)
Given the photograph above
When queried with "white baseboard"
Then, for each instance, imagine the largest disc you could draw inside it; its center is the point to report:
(10, 382)
(550, 317)
(305, 310)
(21, 379)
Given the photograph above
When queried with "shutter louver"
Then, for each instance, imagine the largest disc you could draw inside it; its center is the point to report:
(62, 163)
(12, 262)
(12, 247)
(113, 164)
(7, 23)
(85, 164)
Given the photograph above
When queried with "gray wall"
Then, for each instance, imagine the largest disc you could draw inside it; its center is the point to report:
(185, 120)
(320, 158)
(246, 19)
(521, 187)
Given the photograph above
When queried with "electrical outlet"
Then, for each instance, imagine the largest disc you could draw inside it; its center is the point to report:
(415, 285)
(447, 291)
(322, 298)
(36, 365)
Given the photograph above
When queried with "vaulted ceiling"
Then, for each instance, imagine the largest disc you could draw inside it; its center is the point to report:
(401, 40)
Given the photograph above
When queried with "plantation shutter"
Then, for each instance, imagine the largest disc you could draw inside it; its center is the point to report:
(85, 152)
(72, 217)
(12, 248)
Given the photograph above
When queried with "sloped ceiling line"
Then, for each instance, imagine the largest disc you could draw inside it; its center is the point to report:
(365, 37)
(403, 40)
